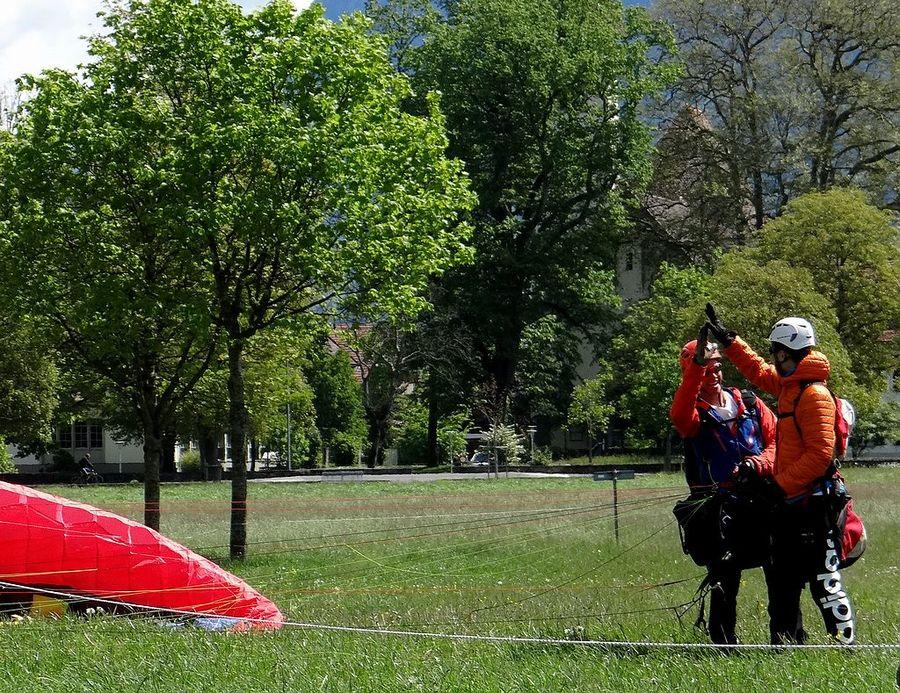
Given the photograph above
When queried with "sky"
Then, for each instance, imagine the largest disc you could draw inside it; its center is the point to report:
(37, 34)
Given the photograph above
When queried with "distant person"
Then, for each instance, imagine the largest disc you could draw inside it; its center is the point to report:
(724, 431)
(805, 542)
(86, 465)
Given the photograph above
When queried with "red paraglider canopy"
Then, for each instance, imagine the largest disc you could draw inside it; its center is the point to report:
(54, 543)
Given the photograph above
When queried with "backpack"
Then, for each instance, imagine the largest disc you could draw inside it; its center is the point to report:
(853, 536)
(846, 521)
(712, 456)
(844, 419)
(848, 526)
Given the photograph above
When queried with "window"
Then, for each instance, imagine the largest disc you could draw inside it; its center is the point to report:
(64, 435)
(576, 435)
(81, 434)
(88, 435)
(96, 435)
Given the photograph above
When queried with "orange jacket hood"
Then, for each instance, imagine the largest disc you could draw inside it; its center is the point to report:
(814, 368)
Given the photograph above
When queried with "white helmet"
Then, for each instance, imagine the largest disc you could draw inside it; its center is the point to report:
(794, 333)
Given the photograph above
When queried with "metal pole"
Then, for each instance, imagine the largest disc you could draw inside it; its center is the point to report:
(615, 475)
(289, 436)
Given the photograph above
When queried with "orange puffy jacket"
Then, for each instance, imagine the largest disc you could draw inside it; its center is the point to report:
(805, 439)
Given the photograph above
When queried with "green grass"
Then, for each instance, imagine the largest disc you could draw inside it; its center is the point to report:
(373, 554)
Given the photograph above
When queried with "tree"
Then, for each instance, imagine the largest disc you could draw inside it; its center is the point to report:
(644, 356)
(694, 206)
(802, 94)
(387, 359)
(447, 368)
(726, 50)
(337, 402)
(880, 427)
(28, 379)
(848, 91)
(850, 249)
(550, 352)
(591, 407)
(306, 183)
(7, 466)
(541, 102)
(93, 242)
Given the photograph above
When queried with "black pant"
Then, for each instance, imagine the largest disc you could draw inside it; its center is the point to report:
(742, 531)
(724, 582)
(805, 550)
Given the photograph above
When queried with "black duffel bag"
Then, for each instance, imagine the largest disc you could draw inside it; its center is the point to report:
(698, 525)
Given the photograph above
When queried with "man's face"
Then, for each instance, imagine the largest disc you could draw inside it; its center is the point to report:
(712, 376)
(782, 360)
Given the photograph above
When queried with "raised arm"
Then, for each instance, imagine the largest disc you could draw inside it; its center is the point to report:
(753, 367)
(683, 412)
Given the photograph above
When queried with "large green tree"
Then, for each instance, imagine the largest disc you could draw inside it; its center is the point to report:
(94, 243)
(541, 100)
(259, 167)
(852, 251)
(310, 187)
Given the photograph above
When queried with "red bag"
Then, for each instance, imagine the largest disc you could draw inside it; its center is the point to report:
(853, 535)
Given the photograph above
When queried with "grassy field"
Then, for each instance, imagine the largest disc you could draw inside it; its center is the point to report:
(527, 557)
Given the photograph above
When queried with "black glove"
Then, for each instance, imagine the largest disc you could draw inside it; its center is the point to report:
(721, 333)
(746, 471)
(702, 341)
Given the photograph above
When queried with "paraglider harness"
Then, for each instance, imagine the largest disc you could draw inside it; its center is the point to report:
(831, 489)
(719, 521)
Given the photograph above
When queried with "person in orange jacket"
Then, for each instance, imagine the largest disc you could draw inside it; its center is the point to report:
(722, 429)
(804, 541)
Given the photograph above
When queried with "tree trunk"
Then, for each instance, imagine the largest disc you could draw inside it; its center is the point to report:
(167, 458)
(590, 449)
(239, 420)
(431, 447)
(377, 440)
(503, 367)
(152, 455)
(254, 454)
(667, 460)
(758, 201)
(208, 457)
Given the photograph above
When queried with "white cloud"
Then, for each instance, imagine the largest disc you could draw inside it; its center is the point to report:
(38, 34)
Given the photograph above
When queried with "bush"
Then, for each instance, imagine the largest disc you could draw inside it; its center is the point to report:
(190, 462)
(508, 444)
(7, 466)
(542, 456)
(409, 432)
(63, 461)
